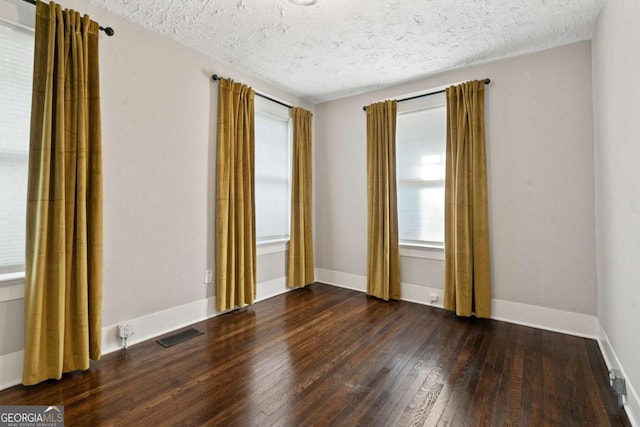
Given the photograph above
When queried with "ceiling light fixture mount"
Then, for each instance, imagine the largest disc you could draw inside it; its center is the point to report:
(303, 2)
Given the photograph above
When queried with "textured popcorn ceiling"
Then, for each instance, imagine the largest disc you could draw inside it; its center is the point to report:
(341, 47)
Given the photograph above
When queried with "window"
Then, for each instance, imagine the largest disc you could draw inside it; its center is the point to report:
(16, 71)
(272, 170)
(420, 170)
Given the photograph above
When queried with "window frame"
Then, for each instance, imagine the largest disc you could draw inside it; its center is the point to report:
(270, 108)
(12, 282)
(420, 248)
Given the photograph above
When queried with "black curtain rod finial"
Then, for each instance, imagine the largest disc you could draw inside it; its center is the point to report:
(215, 77)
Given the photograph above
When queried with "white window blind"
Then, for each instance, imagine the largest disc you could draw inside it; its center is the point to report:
(272, 170)
(420, 170)
(16, 71)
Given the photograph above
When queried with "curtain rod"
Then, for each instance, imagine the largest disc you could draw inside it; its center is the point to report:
(486, 81)
(216, 77)
(107, 30)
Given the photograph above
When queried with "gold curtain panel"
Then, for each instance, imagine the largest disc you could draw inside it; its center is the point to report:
(467, 259)
(63, 260)
(235, 210)
(383, 263)
(300, 265)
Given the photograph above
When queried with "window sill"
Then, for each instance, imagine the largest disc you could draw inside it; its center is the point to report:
(272, 246)
(421, 251)
(11, 277)
(11, 287)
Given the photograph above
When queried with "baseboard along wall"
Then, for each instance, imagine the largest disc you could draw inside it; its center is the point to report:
(144, 327)
(566, 322)
(632, 401)
(161, 322)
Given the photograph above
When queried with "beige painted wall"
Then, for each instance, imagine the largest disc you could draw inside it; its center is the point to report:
(616, 90)
(540, 162)
(159, 110)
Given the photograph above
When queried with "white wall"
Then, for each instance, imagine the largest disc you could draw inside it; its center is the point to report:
(159, 109)
(540, 165)
(616, 90)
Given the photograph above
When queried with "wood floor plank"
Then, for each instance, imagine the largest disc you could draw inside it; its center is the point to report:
(407, 385)
(326, 356)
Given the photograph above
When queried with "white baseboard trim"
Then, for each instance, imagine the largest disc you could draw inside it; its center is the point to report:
(582, 325)
(11, 369)
(354, 282)
(632, 403)
(566, 322)
(11, 290)
(158, 323)
(421, 294)
(271, 288)
(145, 328)
(409, 292)
(165, 321)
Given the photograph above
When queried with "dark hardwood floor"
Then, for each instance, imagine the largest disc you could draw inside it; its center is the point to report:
(326, 356)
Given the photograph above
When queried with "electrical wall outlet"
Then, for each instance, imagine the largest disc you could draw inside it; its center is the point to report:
(125, 330)
(433, 298)
(619, 386)
(208, 276)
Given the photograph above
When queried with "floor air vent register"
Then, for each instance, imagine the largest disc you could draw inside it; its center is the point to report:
(183, 336)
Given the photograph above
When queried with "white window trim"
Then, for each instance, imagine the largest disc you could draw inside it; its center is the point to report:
(272, 246)
(422, 251)
(12, 284)
(271, 108)
(417, 250)
(420, 104)
(11, 277)
(18, 24)
(11, 287)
